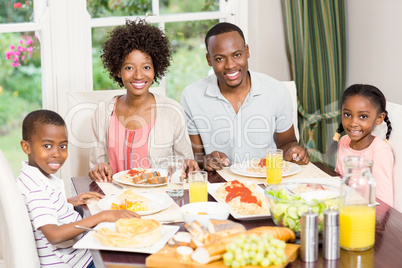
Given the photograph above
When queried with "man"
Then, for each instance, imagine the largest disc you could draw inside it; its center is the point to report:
(234, 115)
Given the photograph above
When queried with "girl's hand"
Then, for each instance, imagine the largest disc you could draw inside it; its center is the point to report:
(84, 198)
(114, 215)
(297, 154)
(101, 173)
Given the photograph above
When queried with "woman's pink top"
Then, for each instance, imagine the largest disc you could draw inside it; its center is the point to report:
(127, 148)
(383, 165)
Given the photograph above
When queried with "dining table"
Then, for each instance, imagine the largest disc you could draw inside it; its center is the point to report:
(385, 253)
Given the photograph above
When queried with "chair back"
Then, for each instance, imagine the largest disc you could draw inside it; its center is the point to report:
(17, 242)
(395, 141)
(81, 107)
(291, 86)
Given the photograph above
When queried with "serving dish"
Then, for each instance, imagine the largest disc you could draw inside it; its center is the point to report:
(89, 241)
(289, 200)
(204, 211)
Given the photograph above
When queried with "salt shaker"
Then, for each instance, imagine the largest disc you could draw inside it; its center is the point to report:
(309, 236)
(331, 247)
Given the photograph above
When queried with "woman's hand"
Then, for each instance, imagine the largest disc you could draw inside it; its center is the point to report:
(101, 173)
(84, 198)
(191, 165)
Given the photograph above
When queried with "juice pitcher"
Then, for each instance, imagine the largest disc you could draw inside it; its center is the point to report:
(357, 205)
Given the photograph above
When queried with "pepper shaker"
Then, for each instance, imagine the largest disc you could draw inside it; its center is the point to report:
(331, 247)
(309, 236)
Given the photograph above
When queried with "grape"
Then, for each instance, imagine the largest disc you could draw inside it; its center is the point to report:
(255, 250)
(265, 262)
(228, 257)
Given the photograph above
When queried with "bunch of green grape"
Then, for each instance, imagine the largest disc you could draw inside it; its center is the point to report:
(252, 249)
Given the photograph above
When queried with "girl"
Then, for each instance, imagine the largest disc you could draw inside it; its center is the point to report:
(138, 129)
(363, 107)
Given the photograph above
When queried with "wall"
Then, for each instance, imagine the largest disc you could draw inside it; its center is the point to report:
(374, 43)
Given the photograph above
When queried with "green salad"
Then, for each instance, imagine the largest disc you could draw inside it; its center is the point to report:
(287, 209)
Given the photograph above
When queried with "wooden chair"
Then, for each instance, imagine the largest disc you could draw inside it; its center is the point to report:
(17, 242)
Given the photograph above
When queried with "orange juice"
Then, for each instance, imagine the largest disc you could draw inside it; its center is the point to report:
(357, 227)
(198, 191)
(274, 168)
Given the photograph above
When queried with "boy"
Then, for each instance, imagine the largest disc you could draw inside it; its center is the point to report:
(53, 217)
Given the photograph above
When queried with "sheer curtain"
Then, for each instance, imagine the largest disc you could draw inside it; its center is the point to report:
(316, 47)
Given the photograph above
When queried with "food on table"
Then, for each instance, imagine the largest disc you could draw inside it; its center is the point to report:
(132, 201)
(258, 165)
(252, 249)
(131, 233)
(142, 176)
(213, 251)
(184, 253)
(242, 198)
(288, 207)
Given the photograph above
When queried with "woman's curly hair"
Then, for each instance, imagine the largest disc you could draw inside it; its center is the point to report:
(140, 35)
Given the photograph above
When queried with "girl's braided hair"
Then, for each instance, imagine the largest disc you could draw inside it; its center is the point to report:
(375, 96)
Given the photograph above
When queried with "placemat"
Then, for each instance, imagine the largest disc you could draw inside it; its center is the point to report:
(307, 171)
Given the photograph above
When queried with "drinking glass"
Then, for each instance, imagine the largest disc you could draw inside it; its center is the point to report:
(274, 166)
(176, 175)
(198, 186)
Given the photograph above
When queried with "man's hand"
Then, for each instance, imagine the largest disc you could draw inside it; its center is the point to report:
(297, 154)
(215, 161)
(84, 198)
(101, 173)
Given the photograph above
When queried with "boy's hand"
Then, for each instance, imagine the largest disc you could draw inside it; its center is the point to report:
(101, 173)
(191, 165)
(114, 215)
(84, 198)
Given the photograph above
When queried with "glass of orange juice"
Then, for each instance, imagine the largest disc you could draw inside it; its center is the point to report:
(274, 158)
(198, 186)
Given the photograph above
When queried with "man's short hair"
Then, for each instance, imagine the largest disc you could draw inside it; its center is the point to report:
(38, 118)
(223, 27)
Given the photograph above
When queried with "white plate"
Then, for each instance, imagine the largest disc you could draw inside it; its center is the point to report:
(240, 168)
(213, 187)
(89, 241)
(116, 178)
(158, 202)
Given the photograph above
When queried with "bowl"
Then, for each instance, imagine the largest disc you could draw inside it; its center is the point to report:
(204, 211)
(289, 200)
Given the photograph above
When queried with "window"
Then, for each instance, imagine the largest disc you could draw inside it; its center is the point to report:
(69, 34)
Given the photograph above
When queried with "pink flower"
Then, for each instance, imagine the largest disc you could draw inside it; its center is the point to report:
(29, 49)
(26, 2)
(24, 49)
(15, 64)
(17, 5)
(21, 41)
(12, 47)
(23, 58)
(16, 59)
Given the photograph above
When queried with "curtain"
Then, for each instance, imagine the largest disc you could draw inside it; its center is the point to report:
(316, 48)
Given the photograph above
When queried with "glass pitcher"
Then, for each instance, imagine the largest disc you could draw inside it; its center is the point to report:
(357, 205)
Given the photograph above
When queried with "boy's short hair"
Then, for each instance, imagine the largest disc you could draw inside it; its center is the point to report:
(37, 118)
(223, 27)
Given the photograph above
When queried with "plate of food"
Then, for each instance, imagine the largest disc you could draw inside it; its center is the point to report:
(130, 235)
(257, 168)
(140, 203)
(141, 177)
(246, 200)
